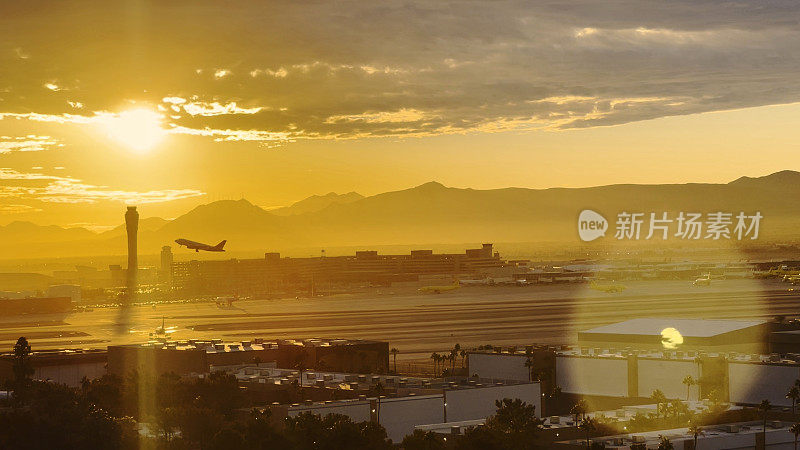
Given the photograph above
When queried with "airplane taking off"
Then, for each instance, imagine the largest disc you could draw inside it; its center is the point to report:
(197, 246)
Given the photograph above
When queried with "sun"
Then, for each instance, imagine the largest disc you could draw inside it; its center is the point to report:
(137, 129)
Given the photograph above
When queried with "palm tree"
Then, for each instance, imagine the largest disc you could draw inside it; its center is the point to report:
(794, 396)
(435, 358)
(589, 426)
(664, 443)
(658, 397)
(689, 381)
(579, 409)
(394, 351)
(463, 357)
(764, 407)
(795, 429)
(695, 431)
(529, 365)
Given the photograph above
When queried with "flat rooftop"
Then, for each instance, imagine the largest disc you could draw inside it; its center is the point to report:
(699, 328)
(261, 374)
(220, 346)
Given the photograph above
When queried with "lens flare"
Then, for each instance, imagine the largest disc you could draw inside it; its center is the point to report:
(671, 338)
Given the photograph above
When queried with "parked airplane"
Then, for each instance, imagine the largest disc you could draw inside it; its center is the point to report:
(610, 288)
(440, 289)
(705, 280)
(483, 282)
(197, 246)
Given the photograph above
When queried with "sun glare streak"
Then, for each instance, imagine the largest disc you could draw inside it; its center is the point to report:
(138, 129)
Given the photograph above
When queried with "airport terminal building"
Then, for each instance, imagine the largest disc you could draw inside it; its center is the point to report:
(275, 274)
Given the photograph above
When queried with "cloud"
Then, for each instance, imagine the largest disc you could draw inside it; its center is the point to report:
(278, 73)
(221, 73)
(17, 209)
(62, 189)
(216, 109)
(29, 143)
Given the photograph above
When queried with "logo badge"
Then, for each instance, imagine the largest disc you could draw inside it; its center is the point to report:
(591, 225)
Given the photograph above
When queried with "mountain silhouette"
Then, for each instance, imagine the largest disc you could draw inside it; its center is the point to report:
(434, 213)
(317, 203)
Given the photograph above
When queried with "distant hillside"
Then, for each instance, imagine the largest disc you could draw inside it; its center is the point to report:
(433, 213)
(146, 224)
(27, 232)
(317, 203)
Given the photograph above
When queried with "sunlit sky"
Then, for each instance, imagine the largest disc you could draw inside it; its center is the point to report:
(172, 104)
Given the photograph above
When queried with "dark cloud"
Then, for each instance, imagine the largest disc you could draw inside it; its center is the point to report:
(351, 68)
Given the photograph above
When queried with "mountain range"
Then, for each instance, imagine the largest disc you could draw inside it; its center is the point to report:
(427, 213)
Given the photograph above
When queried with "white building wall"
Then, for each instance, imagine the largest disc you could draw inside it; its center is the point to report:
(667, 375)
(479, 403)
(498, 366)
(399, 415)
(592, 376)
(776, 440)
(751, 383)
(358, 411)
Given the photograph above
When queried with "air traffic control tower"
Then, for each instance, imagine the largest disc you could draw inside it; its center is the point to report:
(132, 226)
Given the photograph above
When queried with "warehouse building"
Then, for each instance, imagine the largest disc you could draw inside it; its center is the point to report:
(412, 402)
(200, 356)
(686, 334)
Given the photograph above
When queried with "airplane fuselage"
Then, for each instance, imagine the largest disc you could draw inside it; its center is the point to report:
(197, 246)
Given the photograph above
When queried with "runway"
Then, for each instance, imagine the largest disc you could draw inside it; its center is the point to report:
(417, 324)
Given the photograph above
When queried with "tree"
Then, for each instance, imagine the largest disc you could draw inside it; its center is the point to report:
(664, 443)
(481, 438)
(588, 426)
(794, 396)
(579, 410)
(259, 432)
(515, 422)
(529, 366)
(423, 440)
(764, 407)
(394, 351)
(689, 381)
(695, 431)
(334, 431)
(453, 355)
(435, 358)
(795, 429)
(22, 366)
(658, 397)
(57, 416)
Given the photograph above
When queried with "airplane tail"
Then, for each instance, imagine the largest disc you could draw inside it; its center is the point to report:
(219, 246)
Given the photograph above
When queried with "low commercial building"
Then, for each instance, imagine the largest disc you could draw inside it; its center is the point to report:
(741, 378)
(742, 435)
(688, 334)
(412, 402)
(67, 366)
(275, 274)
(200, 356)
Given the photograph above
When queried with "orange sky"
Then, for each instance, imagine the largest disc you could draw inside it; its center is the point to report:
(169, 106)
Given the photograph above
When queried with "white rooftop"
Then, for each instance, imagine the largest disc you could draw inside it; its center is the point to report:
(687, 327)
